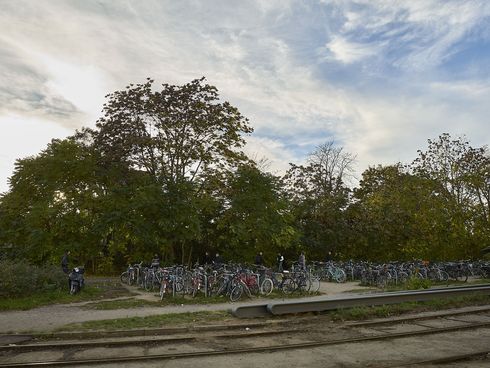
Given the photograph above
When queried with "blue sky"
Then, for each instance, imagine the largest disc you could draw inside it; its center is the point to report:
(378, 77)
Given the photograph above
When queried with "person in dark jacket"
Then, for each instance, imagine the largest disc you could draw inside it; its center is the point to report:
(259, 259)
(207, 259)
(64, 262)
(218, 260)
(328, 257)
(280, 262)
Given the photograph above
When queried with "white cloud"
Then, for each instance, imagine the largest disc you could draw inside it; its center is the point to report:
(417, 34)
(390, 129)
(377, 91)
(21, 137)
(463, 89)
(350, 52)
(274, 151)
(83, 85)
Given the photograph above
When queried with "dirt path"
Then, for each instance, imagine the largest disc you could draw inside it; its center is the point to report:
(51, 317)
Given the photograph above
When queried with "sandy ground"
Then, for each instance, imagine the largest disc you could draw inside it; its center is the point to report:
(51, 317)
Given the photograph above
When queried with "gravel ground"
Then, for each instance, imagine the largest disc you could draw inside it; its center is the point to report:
(48, 318)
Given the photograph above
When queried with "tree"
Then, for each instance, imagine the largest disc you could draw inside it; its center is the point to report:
(179, 139)
(459, 174)
(52, 203)
(255, 216)
(394, 216)
(179, 134)
(320, 195)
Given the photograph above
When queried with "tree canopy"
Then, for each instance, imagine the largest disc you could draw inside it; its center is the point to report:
(163, 172)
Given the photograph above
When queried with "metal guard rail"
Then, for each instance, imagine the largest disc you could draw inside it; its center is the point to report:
(279, 308)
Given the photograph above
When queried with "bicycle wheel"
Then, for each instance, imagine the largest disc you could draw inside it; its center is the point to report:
(179, 285)
(443, 276)
(288, 286)
(214, 287)
(254, 289)
(148, 282)
(303, 284)
(314, 284)
(124, 277)
(131, 278)
(340, 276)
(236, 293)
(266, 287)
(382, 281)
(462, 276)
(402, 277)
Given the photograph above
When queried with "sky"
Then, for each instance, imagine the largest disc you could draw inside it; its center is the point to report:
(379, 77)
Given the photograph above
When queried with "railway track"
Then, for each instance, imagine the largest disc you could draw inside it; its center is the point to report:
(301, 334)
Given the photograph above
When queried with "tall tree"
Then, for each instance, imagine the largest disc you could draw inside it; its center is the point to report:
(460, 176)
(255, 216)
(395, 216)
(52, 203)
(178, 134)
(320, 195)
(180, 138)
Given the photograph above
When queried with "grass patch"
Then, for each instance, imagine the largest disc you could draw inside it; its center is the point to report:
(415, 284)
(92, 291)
(164, 320)
(364, 290)
(48, 297)
(390, 310)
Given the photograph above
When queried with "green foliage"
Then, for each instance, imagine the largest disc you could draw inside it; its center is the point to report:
(416, 283)
(257, 217)
(163, 173)
(319, 197)
(48, 297)
(389, 310)
(22, 279)
(163, 320)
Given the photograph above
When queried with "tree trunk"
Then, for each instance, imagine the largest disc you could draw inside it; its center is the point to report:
(189, 262)
(183, 253)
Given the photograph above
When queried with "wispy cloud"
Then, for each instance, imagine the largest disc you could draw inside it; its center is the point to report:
(380, 77)
(349, 52)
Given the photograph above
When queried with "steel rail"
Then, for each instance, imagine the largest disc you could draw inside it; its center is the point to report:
(158, 341)
(304, 306)
(445, 360)
(21, 348)
(141, 331)
(405, 319)
(270, 348)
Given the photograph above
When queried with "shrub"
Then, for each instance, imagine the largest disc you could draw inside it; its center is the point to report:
(415, 283)
(23, 279)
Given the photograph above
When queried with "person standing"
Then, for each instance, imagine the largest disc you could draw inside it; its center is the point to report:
(155, 262)
(328, 257)
(302, 261)
(64, 261)
(218, 260)
(259, 259)
(280, 261)
(207, 259)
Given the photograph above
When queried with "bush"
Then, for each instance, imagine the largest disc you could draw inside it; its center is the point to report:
(23, 279)
(415, 283)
